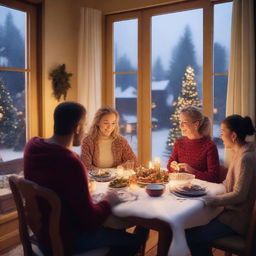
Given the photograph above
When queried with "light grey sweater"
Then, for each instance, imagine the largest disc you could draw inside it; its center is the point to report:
(240, 193)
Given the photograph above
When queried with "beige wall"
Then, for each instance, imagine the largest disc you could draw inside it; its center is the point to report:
(115, 6)
(60, 40)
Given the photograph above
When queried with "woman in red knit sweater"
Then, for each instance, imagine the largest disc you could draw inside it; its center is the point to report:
(195, 153)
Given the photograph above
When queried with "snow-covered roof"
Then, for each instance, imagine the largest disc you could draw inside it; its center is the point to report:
(131, 119)
(130, 92)
(159, 85)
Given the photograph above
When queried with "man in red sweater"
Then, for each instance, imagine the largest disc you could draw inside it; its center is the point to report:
(51, 163)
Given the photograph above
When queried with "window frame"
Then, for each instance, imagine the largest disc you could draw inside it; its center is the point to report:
(31, 85)
(144, 64)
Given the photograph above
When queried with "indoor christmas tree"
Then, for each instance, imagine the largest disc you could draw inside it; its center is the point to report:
(8, 117)
(187, 97)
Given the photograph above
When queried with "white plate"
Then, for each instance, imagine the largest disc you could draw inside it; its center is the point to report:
(106, 178)
(126, 196)
(189, 193)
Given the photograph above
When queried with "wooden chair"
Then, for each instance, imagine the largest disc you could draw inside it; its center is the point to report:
(27, 191)
(239, 245)
(14, 166)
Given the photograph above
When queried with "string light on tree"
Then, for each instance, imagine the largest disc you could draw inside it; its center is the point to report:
(187, 97)
(8, 117)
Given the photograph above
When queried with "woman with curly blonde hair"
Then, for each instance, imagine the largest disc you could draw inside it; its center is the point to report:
(104, 147)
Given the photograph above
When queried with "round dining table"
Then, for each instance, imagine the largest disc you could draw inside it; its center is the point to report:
(169, 214)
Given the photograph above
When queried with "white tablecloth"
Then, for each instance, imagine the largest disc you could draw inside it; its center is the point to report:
(180, 214)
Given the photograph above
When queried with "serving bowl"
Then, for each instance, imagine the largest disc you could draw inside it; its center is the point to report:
(155, 190)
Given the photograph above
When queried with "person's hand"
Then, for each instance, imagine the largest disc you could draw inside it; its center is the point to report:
(208, 200)
(174, 165)
(129, 165)
(185, 167)
(112, 198)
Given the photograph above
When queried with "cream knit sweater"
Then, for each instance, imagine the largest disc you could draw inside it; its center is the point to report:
(240, 193)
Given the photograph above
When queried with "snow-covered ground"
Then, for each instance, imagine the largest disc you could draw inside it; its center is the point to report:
(9, 154)
(159, 139)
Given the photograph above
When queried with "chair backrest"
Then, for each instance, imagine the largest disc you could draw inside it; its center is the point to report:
(251, 234)
(26, 195)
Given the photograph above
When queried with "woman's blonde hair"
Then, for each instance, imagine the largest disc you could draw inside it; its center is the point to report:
(196, 115)
(94, 129)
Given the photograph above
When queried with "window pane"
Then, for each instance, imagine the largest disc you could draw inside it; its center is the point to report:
(177, 50)
(220, 92)
(126, 105)
(12, 114)
(126, 45)
(12, 38)
(222, 34)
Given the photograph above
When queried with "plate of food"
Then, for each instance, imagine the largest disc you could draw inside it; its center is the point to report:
(102, 175)
(122, 194)
(119, 183)
(190, 190)
(126, 196)
(152, 176)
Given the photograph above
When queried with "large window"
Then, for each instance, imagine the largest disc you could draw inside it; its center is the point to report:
(17, 76)
(160, 59)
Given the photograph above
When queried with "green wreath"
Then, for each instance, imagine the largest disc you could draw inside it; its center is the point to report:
(60, 81)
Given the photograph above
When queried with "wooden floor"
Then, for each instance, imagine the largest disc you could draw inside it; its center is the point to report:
(151, 247)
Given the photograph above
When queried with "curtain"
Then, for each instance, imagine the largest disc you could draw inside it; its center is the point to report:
(241, 79)
(90, 60)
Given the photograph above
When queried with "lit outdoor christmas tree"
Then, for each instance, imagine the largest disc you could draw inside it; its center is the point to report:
(187, 97)
(8, 117)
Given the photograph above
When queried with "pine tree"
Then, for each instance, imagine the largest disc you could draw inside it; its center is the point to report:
(124, 81)
(158, 70)
(187, 97)
(220, 82)
(183, 55)
(20, 136)
(8, 117)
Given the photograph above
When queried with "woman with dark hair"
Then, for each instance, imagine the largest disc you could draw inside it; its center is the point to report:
(240, 186)
(195, 153)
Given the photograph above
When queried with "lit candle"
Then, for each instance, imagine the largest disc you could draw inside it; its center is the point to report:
(150, 165)
(157, 164)
(120, 171)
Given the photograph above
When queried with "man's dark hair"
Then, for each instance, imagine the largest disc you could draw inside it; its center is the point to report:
(66, 116)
